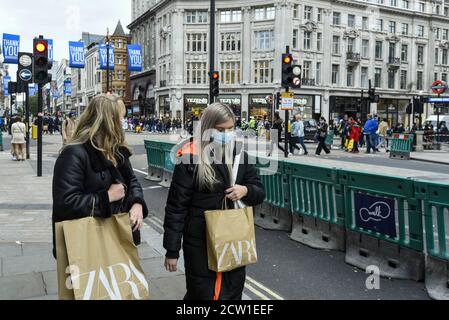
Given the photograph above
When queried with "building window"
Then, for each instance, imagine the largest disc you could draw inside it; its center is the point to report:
(336, 45)
(307, 40)
(445, 34)
(421, 31)
(404, 53)
(230, 72)
(351, 20)
(351, 45)
(335, 73)
(196, 42)
(378, 78)
(420, 54)
(318, 73)
(296, 11)
(422, 7)
(230, 42)
(380, 25)
(295, 38)
(443, 77)
(306, 69)
(404, 30)
(437, 33)
(393, 3)
(319, 16)
(365, 48)
(267, 13)
(392, 27)
(437, 56)
(419, 80)
(263, 71)
(444, 57)
(403, 79)
(365, 23)
(319, 37)
(196, 16)
(391, 79)
(405, 4)
(196, 73)
(336, 20)
(378, 52)
(308, 13)
(231, 16)
(364, 77)
(264, 40)
(350, 76)
(392, 53)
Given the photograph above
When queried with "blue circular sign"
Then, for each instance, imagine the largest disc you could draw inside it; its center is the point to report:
(25, 75)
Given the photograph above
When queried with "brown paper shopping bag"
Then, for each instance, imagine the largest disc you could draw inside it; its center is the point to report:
(102, 259)
(231, 241)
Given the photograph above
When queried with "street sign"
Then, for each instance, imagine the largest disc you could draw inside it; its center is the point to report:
(25, 75)
(439, 100)
(25, 60)
(439, 87)
(287, 101)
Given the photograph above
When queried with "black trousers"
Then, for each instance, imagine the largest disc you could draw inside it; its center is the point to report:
(322, 146)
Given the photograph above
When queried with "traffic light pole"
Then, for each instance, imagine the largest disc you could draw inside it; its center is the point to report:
(286, 146)
(211, 50)
(40, 106)
(27, 120)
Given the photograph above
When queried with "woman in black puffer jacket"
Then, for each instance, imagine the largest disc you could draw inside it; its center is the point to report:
(197, 188)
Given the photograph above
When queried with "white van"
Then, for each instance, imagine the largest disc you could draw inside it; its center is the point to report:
(433, 119)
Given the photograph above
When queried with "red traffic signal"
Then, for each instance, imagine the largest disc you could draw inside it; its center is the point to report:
(215, 75)
(215, 83)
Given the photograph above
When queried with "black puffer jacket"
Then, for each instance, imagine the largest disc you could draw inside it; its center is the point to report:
(82, 173)
(184, 218)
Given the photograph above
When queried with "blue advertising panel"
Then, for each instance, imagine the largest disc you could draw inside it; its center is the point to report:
(11, 48)
(68, 87)
(439, 100)
(50, 49)
(6, 80)
(103, 57)
(76, 53)
(32, 89)
(375, 213)
(134, 57)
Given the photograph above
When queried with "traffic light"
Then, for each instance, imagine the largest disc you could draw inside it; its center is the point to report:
(215, 82)
(372, 94)
(418, 106)
(287, 70)
(41, 62)
(12, 87)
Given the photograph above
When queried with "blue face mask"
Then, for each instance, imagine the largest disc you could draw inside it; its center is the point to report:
(223, 137)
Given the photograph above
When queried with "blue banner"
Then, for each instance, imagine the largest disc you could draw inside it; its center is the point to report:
(134, 57)
(375, 213)
(50, 49)
(11, 48)
(6, 80)
(68, 87)
(76, 53)
(103, 57)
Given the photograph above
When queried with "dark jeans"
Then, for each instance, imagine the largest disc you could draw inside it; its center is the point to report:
(294, 144)
(322, 146)
(371, 142)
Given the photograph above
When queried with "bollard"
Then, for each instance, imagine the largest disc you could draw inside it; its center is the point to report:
(419, 141)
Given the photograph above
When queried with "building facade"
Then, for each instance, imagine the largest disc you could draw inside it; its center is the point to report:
(63, 73)
(401, 46)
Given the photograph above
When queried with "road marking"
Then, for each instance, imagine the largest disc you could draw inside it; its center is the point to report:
(144, 168)
(152, 187)
(261, 286)
(256, 292)
(141, 172)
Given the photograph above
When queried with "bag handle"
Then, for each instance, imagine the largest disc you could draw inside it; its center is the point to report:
(235, 170)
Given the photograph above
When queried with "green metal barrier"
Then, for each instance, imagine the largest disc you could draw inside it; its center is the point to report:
(315, 192)
(275, 181)
(435, 197)
(401, 146)
(166, 149)
(154, 154)
(329, 139)
(408, 214)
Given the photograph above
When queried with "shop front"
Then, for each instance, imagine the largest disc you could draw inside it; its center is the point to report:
(341, 106)
(304, 105)
(234, 101)
(164, 107)
(260, 107)
(194, 106)
(394, 110)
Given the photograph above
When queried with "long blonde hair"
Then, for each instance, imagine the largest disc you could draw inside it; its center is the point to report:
(100, 124)
(214, 115)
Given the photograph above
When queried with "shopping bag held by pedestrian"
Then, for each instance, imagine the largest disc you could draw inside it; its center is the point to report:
(98, 260)
(230, 234)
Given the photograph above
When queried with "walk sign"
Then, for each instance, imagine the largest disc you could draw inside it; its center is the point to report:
(287, 101)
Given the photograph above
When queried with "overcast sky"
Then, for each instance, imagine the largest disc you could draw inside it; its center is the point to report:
(60, 20)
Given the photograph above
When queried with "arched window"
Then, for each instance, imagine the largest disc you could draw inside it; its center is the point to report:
(136, 93)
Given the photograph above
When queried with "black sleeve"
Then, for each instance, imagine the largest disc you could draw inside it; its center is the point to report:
(68, 193)
(135, 192)
(177, 208)
(256, 190)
